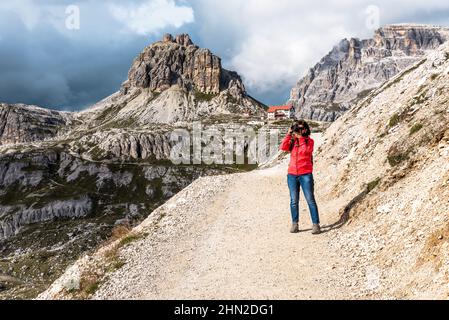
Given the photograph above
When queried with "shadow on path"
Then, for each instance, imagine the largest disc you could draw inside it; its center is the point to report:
(344, 217)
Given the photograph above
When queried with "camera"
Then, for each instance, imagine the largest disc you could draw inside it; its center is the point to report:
(295, 128)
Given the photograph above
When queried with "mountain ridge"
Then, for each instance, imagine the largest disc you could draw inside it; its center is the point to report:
(354, 67)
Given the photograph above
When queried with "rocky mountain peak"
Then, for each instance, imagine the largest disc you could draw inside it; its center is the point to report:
(167, 38)
(184, 40)
(181, 39)
(174, 80)
(354, 67)
(177, 61)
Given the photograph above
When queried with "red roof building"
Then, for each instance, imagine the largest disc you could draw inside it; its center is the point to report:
(279, 112)
(278, 108)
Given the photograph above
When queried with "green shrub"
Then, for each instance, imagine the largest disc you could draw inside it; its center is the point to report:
(129, 239)
(416, 127)
(201, 96)
(394, 120)
(373, 184)
(396, 159)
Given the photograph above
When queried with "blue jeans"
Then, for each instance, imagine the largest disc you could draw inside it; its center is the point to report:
(306, 183)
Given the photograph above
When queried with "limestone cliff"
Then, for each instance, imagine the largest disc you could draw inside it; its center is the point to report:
(22, 123)
(354, 67)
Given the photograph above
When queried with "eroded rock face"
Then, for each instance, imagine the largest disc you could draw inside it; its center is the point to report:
(59, 205)
(176, 61)
(354, 67)
(14, 218)
(20, 123)
(42, 186)
(144, 146)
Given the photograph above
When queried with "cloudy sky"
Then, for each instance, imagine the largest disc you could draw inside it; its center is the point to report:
(50, 58)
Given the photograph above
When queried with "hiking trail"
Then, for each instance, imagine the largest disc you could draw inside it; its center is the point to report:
(237, 246)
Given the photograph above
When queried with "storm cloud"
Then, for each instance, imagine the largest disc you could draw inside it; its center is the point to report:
(43, 62)
(270, 43)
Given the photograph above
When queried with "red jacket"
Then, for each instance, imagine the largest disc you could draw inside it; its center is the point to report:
(301, 161)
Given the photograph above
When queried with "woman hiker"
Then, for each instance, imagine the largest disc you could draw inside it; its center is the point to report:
(300, 172)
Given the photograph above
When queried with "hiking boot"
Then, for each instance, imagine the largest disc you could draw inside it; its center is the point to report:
(316, 229)
(295, 228)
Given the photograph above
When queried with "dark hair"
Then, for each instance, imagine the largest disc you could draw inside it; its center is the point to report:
(301, 123)
(296, 128)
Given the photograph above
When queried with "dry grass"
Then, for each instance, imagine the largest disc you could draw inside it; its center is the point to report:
(111, 253)
(119, 232)
(89, 283)
(123, 236)
(129, 239)
(394, 120)
(112, 262)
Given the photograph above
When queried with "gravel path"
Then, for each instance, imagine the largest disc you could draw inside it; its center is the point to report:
(231, 242)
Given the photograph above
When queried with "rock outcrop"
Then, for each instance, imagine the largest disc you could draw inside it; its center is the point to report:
(176, 61)
(56, 185)
(17, 217)
(21, 123)
(354, 67)
(62, 198)
(174, 80)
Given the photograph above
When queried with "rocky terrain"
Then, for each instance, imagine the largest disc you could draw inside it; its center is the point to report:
(381, 181)
(67, 179)
(354, 67)
(21, 123)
